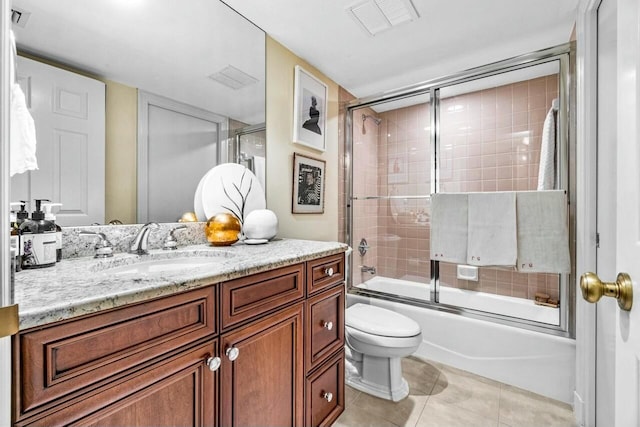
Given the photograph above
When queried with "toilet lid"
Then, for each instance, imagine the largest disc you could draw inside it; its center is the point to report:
(379, 321)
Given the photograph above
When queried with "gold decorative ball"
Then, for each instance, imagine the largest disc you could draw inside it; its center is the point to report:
(188, 217)
(223, 229)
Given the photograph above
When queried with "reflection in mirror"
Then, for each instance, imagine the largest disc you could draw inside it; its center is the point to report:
(176, 81)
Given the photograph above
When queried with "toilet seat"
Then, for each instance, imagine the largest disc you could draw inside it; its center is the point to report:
(380, 322)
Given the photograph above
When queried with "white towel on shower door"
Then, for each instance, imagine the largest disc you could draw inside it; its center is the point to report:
(543, 233)
(547, 166)
(449, 227)
(492, 236)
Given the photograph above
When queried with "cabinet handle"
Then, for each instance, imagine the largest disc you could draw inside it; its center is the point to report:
(213, 363)
(232, 353)
(328, 396)
(328, 271)
(327, 325)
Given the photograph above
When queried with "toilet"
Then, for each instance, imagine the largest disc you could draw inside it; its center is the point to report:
(377, 340)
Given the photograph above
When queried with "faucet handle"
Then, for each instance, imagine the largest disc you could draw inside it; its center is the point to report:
(170, 241)
(104, 248)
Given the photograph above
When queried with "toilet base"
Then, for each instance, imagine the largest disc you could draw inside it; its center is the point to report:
(378, 376)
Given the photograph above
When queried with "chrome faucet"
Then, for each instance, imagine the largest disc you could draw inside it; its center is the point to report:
(139, 243)
(367, 269)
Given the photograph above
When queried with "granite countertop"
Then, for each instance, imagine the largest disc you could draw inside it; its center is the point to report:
(86, 285)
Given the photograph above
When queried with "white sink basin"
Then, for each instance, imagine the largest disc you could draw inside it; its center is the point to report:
(163, 265)
(161, 262)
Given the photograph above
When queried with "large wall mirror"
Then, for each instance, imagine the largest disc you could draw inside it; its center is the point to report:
(179, 82)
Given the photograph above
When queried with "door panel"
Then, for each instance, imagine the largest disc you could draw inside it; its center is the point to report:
(69, 113)
(628, 213)
(170, 136)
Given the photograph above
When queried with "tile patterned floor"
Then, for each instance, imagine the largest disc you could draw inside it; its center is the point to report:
(443, 396)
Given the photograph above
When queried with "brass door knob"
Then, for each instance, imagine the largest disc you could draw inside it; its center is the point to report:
(622, 289)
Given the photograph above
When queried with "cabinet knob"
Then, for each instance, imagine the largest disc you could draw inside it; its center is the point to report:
(232, 353)
(327, 325)
(328, 271)
(213, 363)
(328, 396)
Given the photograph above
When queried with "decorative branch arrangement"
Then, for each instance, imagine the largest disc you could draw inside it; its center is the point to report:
(239, 208)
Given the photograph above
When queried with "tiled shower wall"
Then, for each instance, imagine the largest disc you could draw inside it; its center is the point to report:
(404, 160)
(490, 141)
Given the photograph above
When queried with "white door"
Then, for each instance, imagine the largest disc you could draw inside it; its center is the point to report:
(618, 210)
(627, 331)
(177, 145)
(69, 113)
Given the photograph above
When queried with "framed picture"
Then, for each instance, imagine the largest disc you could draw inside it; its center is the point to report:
(309, 110)
(398, 169)
(308, 184)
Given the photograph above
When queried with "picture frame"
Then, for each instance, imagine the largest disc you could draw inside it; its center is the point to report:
(308, 185)
(309, 110)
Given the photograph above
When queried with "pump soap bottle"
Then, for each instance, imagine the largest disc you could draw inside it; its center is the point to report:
(21, 216)
(49, 216)
(38, 240)
(15, 242)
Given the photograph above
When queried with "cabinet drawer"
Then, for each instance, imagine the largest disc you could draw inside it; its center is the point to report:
(324, 326)
(58, 360)
(324, 272)
(325, 393)
(177, 391)
(247, 297)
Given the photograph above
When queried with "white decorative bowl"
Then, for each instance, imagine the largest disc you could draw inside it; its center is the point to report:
(260, 224)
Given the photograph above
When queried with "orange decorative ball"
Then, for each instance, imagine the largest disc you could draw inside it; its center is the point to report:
(223, 229)
(188, 217)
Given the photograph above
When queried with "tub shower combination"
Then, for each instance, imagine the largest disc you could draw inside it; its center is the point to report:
(483, 130)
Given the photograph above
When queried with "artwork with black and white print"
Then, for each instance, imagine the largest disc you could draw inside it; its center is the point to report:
(309, 185)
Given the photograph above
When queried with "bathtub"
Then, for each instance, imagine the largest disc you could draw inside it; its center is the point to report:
(535, 361)
(509, 306)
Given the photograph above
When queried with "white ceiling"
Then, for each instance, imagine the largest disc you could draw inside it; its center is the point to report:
(449, 36)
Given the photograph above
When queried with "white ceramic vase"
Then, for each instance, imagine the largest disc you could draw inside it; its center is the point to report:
(260, 224)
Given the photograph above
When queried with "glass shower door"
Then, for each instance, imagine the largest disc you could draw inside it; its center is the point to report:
(490, 140)
(391, 166)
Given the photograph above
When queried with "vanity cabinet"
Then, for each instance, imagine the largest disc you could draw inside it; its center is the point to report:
(264, 384)
(265, 349)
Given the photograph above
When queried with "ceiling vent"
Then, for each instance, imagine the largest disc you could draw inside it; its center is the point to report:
(233, 78)
(375, 16)
(19, 17)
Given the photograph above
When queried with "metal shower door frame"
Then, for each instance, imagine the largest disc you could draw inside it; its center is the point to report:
(566, 160)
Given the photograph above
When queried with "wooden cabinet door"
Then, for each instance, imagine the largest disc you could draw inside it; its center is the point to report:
(180, 391)
(263, 386)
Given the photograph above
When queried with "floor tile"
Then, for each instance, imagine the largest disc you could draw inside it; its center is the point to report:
(353, 417)
(421, 375)
(350, 394)
(467, 391)
(403, 413)
(441, 414)
(521, 408)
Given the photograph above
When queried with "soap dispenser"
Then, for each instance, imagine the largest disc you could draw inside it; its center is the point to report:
(50, 216)
(38, 240)
(21, 216)
(15, 241)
